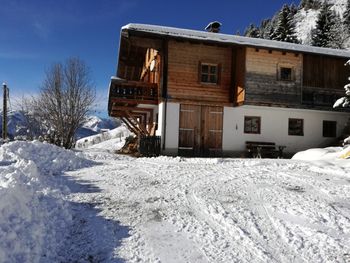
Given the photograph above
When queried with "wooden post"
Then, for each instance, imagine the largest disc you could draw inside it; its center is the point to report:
(4, 113)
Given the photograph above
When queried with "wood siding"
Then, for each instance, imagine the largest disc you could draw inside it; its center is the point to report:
(325, 72)
(184, 83)
(263, 86)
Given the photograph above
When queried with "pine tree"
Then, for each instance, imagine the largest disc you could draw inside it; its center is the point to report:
(265, 28)
(344, 101)
(347, 17)
(285, 30)
(328, 31)
(310, 4)
(252, 31)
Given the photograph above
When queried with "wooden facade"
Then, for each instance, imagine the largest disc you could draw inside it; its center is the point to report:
(184, 83)
(263, 83)
(203, 76)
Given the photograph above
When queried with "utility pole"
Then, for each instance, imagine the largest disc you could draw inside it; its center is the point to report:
(4, 112)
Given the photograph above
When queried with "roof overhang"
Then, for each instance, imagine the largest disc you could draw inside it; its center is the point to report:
(225, 39)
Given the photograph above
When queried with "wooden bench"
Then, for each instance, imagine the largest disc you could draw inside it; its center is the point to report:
(264, 149)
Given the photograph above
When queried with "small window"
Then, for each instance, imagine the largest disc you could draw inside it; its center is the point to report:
(285, 74)
(209, 73)
(252, 125)
(329, 129)
(296, 127)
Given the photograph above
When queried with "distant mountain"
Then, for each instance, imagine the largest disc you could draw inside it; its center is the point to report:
(17, 125)
(303, 20)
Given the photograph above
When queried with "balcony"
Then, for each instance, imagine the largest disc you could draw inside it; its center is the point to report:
(133, 102)
(132, 92)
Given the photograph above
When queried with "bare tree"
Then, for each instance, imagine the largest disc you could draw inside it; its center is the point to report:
(65, 99)
(34, 126)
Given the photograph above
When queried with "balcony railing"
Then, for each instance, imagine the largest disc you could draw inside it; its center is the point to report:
(133, 91)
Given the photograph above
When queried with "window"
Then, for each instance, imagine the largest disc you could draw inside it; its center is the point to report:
(296, 127)
(252, 125)
(329, 129)
(209, 73)
(285, 74)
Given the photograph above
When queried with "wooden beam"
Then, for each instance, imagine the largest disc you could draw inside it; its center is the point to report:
(140, 125)
(146, 42)
(135, 101)
(132, 108)
(129, 126)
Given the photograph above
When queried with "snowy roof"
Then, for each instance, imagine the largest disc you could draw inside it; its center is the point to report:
(233, 39)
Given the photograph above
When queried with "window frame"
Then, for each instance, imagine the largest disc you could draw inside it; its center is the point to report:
(329, 132)
(209, 74)
(245, 128)
(290, 132)
(290, 75)
(281, 67)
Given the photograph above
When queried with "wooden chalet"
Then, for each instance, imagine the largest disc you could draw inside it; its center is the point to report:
(207, 94)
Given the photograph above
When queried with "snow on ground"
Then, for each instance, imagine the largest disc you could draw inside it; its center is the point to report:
(122, 209)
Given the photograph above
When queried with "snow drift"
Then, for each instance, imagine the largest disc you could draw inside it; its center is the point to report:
(33, 210)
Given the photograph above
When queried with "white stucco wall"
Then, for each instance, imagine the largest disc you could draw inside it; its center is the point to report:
(274, 127)
(159, 131)
(172, 126)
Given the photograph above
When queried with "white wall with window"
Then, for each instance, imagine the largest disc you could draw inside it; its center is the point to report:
(295, 128)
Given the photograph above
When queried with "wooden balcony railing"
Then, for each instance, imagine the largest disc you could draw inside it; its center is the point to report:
(134, 92)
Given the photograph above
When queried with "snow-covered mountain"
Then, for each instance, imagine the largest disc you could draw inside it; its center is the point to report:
(17, 125)
(94, 125)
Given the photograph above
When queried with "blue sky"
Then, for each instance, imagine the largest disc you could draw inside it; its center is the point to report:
(36, 33)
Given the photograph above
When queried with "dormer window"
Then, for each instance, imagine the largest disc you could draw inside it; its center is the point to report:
(209, 73)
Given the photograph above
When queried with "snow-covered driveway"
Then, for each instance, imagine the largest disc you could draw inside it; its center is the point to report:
(209, 210)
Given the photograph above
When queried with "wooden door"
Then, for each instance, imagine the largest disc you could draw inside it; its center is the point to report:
(189, 130)
(211, 130)
(200, 130)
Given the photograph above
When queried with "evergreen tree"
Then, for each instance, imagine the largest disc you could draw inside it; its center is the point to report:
(344, 101)
(328, 31)
(347, 17)
(285, 30)
(252, 31)
(265, 28)
(310, 4)
(293, 9)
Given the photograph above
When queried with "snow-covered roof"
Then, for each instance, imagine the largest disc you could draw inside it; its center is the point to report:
(233, 39)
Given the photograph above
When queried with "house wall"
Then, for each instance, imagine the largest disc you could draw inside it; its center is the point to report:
(171, 136)
(184, 83)
(263, 85)
(274, 127)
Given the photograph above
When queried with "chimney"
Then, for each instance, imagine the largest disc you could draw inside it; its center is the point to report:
(213, 27)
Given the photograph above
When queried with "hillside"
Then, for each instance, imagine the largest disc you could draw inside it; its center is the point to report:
(304, 18)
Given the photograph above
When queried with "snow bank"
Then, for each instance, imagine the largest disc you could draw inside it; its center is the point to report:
(336, 158)
(110, 140)
(33, 211)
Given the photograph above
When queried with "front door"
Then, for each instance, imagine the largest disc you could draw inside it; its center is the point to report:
(200, 130)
